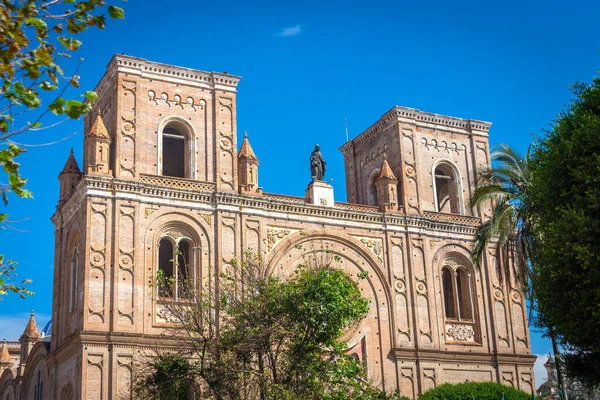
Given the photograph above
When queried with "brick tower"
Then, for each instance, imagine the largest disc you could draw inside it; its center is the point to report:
(162, 177)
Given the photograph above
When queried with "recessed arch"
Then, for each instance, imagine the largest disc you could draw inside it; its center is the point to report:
(353, 257)
(176, 148)
(399, 188)
(74, 277)
(171, 230)
(447, 187)
(7, 384)
(459, 283)
(298, 239)
(37, 368)
(372, 196)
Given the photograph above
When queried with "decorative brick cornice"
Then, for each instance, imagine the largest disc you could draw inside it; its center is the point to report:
(154, 70)
(420, 119)
(156, 190)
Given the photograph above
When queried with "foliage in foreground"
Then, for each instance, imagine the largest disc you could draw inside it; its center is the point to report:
(172, 377)
(277, 340)
(565, 194)
(7, 273)
(510, 229)
(474, 390)
(36, 38)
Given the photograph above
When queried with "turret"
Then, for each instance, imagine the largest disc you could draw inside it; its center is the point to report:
(68, 177)
(248, 169)
(387, 187)
(97, 147)
(4, 358)
(28, 339)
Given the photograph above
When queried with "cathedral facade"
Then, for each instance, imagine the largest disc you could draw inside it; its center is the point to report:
(162, 174)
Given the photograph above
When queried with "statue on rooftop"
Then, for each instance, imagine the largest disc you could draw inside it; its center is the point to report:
(317, 164)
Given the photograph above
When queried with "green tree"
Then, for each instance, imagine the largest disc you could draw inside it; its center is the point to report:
(168, 376)
(474, 390)
(565, 193)
(36, 38)
(276, 339)
(512, 228)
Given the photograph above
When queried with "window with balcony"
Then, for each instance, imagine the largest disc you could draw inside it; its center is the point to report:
(459, 306)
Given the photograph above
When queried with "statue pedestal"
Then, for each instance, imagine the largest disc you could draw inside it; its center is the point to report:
(319, 194)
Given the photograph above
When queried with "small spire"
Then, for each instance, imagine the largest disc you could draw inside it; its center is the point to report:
(31, 330)
(4, 354)
(246, 149)
(98, 129)
(386, 171)
(70, 167)
(71, 151)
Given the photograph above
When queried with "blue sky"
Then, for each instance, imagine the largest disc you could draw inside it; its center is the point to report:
(306, 66)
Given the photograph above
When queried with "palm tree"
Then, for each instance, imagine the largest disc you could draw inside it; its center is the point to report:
(511, 226)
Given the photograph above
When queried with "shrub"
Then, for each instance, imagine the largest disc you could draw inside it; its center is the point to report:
(474, 390)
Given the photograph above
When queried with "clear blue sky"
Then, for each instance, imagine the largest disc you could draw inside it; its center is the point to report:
(306, 66)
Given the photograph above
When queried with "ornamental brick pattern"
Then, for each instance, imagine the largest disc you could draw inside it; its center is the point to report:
(173, 173)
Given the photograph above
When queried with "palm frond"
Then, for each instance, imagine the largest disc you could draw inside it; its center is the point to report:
(485, 193)
(482, 238)
(508, 229)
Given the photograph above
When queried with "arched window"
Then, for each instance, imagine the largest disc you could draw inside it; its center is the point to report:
(447, 189)
(372, 197)
(183, 276)
(463, 293)
(177, 150)
(174, 152)
(74, 278)
(447, 276)
(175, 264)
(38, 391)
(458, 293)
(165, 267)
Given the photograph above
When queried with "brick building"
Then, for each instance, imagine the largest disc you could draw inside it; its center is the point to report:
(161, 172)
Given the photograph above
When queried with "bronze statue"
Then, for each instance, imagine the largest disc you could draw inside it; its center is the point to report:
(317, 165)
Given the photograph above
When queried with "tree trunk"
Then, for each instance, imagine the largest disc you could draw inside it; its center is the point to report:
(561, 384)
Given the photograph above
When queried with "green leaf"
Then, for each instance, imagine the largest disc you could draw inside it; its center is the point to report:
(91, 96)
(69, 42)
(37, 23)
(116, 12)
(45, 85)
